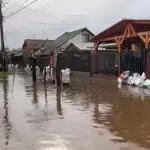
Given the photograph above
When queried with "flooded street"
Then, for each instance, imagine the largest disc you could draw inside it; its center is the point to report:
(91, 114)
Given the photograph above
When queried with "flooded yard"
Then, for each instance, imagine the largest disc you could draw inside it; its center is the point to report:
(91, 114)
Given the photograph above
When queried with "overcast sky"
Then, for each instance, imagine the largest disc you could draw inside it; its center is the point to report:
(51, 18)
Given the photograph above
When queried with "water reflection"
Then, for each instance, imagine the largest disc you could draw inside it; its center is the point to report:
(45, 91)
(35, 96)
(96, 115)
(6, 113)
(123, 113)
(136, 92)
(58, 98)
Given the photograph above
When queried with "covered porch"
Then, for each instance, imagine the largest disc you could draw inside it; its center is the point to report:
(126, 33)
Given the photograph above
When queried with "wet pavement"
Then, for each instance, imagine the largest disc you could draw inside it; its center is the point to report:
(91, 114)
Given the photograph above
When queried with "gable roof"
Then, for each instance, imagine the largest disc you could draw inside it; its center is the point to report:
(67, 36)
(37, 43)
(118, 28)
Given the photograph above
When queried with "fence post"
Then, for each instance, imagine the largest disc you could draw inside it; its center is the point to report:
(91, 63)
(33, 61)
(58, 75)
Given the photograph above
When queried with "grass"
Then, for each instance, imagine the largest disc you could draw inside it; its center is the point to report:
(4, 74)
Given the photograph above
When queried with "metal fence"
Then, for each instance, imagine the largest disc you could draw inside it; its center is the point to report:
(133, 62)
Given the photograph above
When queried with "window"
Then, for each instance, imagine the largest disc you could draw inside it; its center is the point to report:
(86, 38)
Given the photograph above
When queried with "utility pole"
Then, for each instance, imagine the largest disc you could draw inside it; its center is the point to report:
(4, 60)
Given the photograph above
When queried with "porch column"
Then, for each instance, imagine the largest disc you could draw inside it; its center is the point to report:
(96, 60)
(119, 42)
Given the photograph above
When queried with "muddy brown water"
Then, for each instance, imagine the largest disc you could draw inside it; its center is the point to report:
(91, 114)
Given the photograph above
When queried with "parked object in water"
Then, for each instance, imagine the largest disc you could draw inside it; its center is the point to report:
(123, 78)
(52, 75)
(28, 70)
(27, 67)
(12, 68)
(65, 76)
(46, 73)
(37, 70)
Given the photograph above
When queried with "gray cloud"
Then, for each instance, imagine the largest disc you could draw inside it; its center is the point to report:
(49, 21)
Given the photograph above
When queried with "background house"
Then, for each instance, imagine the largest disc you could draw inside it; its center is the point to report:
(30, 46)
(79, 37)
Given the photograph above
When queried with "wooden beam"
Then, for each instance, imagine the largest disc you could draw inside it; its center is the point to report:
(131, 31)
(141, 21)
(143, 33)
(121, 36)
(146, 40)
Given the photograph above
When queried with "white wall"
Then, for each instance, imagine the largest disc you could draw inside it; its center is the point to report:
(85, 32)
(79, 37)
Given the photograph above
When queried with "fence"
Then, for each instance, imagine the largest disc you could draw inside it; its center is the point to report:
(76, 61)
(135, 62)
(107, 61)
(40, 62)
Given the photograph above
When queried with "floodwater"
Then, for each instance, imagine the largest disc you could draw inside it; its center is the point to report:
(91, 114)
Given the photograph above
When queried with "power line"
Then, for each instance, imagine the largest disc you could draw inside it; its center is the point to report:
(45, 23)
(49, 2)
(23, 3)
(22, 8)
(36, 6)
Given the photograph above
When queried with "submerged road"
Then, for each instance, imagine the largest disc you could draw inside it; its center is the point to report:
(88, 115)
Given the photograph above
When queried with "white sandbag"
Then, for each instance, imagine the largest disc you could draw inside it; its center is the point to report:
(139, 81)
(129, 80)
(135, 76)
(65, 75)
(143, 75)
(147, 83)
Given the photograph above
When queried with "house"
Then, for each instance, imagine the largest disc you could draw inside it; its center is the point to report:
(30, 46)
(132, 37)
(79, 36)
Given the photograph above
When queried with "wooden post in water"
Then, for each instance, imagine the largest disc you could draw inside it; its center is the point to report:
(58, 74)
(33, 62)
(45, 73)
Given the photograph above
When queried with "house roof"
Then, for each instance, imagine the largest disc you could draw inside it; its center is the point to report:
(67, 36)
(38, 43)
(53, 44)
(118, 28)
(73, 48)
